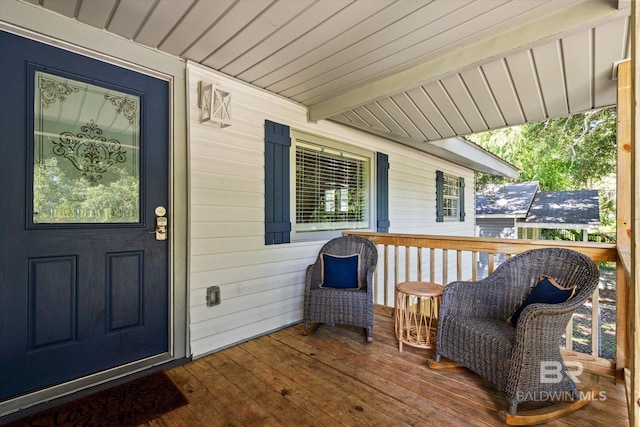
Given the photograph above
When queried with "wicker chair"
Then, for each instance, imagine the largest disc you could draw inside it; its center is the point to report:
(473, 330)
(342, 306)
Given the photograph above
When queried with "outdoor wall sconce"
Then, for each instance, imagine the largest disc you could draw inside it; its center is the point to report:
(214, 104)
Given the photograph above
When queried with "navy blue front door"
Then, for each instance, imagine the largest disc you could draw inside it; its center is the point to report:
(83, 167)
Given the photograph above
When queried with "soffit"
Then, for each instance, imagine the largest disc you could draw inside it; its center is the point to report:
(412, 71)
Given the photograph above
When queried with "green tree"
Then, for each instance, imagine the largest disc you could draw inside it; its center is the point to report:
(60, 198)
(113, 202)
(570, 153)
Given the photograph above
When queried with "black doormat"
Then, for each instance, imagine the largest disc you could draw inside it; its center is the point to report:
(128, 404)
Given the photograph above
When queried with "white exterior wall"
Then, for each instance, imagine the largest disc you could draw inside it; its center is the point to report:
(262, 286)
(412, 194)
(497, 227)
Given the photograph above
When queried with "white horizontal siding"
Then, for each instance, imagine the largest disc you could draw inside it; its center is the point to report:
(244, 331)
(496, 227)
(262, 287)
(412, 194)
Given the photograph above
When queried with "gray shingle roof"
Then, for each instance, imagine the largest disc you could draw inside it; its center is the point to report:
(565, 207)
(510, 199)
(524, 202)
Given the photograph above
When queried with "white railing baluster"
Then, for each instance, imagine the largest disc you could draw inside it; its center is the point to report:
(595, 323)
(419, 255)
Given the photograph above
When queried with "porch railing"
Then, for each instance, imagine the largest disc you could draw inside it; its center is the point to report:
(443, 259)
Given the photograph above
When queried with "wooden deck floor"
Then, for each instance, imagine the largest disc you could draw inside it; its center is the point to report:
(333, 378)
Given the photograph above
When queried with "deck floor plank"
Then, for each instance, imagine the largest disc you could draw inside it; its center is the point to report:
(399, 381)
(205, 406)
(350, 398)
(312, 403)
(286, 411)
(236, 402)
(334, 378)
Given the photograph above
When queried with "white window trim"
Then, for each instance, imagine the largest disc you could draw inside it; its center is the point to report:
(298, 137)
(454, 178)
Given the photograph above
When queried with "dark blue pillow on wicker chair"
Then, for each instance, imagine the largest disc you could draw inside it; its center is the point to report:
(340, 271)
(547, 291)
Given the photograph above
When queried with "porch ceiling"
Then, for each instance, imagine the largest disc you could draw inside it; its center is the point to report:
(409, 70)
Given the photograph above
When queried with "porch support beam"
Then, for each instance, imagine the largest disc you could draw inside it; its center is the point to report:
(517, 39)
(633, 394)
(623, 215)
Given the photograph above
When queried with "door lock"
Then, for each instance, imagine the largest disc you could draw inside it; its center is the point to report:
(161, 223)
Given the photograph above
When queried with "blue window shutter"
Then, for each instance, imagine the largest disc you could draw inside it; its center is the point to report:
(277, 218)
(461, 198)
(382, 193)
(439, 196)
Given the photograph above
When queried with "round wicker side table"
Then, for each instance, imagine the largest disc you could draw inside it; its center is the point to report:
(416, 313)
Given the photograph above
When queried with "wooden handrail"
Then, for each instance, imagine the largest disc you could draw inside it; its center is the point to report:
(598, 252)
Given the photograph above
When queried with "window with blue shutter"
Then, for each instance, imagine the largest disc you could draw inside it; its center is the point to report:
(331, 186)
(382, 193)
(277, 217)
(449, 197)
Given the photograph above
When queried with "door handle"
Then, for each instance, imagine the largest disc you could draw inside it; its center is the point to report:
(162, 223)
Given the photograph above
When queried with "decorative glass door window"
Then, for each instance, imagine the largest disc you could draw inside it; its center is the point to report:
(86, 160)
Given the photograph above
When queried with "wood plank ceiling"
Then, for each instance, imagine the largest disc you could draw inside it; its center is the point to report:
(411, 70)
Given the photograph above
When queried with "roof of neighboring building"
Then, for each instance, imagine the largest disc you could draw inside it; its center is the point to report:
(565, 207)
(510, 200)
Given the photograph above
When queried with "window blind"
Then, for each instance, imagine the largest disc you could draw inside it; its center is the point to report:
(331, 189)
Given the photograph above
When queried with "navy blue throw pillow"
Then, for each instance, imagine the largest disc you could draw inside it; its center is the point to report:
(340, 271)
(547, 291)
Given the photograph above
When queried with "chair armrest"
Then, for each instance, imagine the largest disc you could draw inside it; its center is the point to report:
(309, 282)
(550, 318)
(369, 276)
(542, 324)
(549, 314)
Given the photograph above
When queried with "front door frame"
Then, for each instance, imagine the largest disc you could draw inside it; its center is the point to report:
(178, 333)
